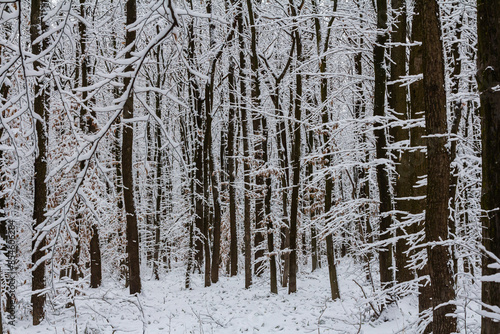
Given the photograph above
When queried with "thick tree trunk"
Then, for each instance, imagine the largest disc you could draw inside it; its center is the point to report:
(488, 13)
(438, 179)
(417, 155)
(127, 163)
(385, 253)
(37, 28)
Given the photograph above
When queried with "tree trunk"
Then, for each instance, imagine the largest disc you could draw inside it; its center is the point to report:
(37, 28)
(322, 47)
(397, 102)
(488, 13)
(127, 163)
(438, 179)
(232, 126)
(417, 155)
(247, 238)
(294, 209)
(385, 253)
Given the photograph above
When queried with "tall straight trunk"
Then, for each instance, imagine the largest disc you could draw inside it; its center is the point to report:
(457, 111)
(37, 28)
(267, 206)
(322, 47)
(232, 129)
(417, 155)
(127, 162)
(4, 248)
(257, 119)
(362, 173)
(247, 238)
(385, 253)
(296, 130)
(438, 178)
(282, 146)
(159, 171)
(488, 14)
(397, 102)
(88, 125)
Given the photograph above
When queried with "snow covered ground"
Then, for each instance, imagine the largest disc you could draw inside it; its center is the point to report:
(167, 307)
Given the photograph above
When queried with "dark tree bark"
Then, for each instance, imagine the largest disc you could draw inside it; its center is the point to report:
(232, 129)
(88, 125)
(322, 47)
(158, 158)
(417, 156)
(397, 102)
(488, 78)
(258, 147)
(127, 162)
(247, 238)
(385, 253)
(296, 130)
(4, 91)
(457, 117)
(37, 28)
(438, 179)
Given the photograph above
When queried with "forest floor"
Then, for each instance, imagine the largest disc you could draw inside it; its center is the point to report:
(165, 306)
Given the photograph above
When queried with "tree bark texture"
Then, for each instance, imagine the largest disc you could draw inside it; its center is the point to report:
(385, 253)
(127, 163)
(37, 28)
(488, 77)
(438, 177)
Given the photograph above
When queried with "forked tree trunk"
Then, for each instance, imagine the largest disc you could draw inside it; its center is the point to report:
(488, 12)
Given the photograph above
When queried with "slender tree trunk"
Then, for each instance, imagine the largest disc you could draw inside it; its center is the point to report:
(438, 179)
(127, 163)
(247, 238)
(257, 120)
(457, 111)
(397, 102)
(488, 13)
(294, 209)
(159, 172)
(232, 126)
(322, 47)
(37, 28)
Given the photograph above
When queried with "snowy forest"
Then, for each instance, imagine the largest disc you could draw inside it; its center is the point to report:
(227, 166)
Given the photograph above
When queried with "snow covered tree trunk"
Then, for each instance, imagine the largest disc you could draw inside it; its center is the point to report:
(488, 77)
(385, 253)
(397, 102)
(232, 131)
(127, 160)
(438, 178)
(37, 28)
(417, 155)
